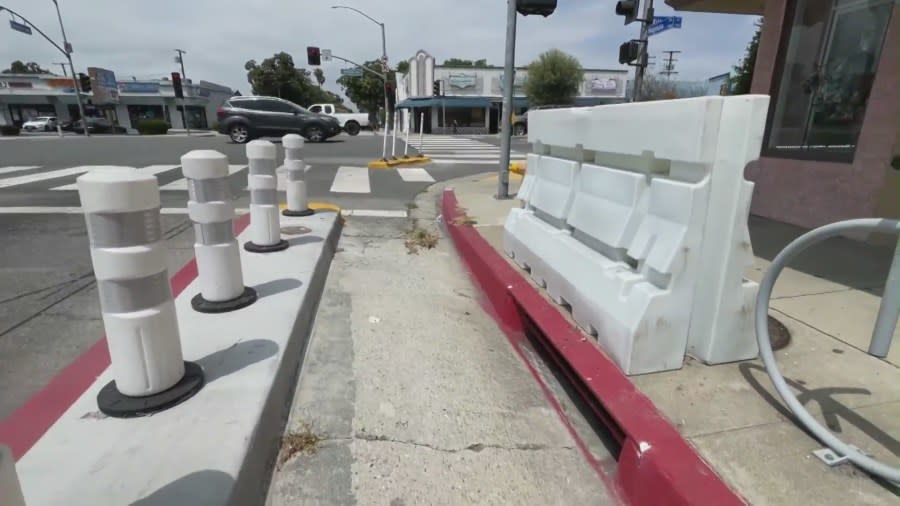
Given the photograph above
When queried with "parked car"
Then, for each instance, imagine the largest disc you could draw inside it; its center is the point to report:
(42, 123)
(246, 118)
(95, 125)
(351, 122)
(520, 122)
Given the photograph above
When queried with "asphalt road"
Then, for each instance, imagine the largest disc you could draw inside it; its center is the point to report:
(49, 311)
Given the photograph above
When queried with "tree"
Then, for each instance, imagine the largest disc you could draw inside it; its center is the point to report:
(367, 92)
(320, 76)
(553, 79)
(739, 83)
(20, 67)
(655, 88)
(456, 62)
(278, 77)
(403, 67)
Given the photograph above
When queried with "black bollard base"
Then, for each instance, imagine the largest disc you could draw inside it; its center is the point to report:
(118, 405)
(202, 305)
(307, 212)
(256, 248)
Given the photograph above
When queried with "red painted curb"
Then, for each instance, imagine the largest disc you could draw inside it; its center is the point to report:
(656, 466)
(21, 430)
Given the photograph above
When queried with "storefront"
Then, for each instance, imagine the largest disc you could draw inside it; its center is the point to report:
(470, 100)
(831, 68)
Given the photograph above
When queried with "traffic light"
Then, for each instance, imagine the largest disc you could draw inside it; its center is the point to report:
(176, 83)
(541, 7)
(436, 89)
(84, 82)
(391, 95)
(629, 52)
(313, 56)
(629, 9)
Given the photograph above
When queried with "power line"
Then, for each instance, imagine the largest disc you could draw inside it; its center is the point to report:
(669, 66)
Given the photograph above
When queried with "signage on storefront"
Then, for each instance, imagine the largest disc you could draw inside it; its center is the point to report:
(462, 81)
(601, 85)
(15, 84)
(104, 86)
(138, 87)
(64, 85)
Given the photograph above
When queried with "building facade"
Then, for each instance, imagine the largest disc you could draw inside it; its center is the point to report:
(831, 68)
(25, 96)
(470, 99)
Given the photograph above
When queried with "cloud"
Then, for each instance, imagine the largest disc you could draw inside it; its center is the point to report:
(136, 38)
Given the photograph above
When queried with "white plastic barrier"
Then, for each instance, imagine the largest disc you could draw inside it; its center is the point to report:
(297, 202)
(265, 227)
(636, 217)
(10, 489)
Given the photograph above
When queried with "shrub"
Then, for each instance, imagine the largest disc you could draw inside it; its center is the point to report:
(152, 127)
(9, 130)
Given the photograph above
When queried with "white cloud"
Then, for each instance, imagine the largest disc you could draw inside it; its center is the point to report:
(136, 38)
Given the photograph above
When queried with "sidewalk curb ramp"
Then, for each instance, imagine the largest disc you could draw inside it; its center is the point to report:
(656, 465)
(220, 446)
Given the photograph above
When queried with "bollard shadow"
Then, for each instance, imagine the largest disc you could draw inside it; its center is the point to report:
(276, 286)
(833, 411)
(304, 239)
(201, 488)
(236, 357)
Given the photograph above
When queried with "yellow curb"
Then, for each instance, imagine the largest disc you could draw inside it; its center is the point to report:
(518, 168)
(318, 206)
(388, 164)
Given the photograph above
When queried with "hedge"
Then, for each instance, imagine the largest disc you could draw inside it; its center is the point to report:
(152, 127)
(9, 130)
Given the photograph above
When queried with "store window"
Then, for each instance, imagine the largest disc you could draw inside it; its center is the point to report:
(463, 117)
(137, 113)
(196, 116)
(827, 65)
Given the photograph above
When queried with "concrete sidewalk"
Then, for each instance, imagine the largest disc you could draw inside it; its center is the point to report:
(732, 414)
(411, 394)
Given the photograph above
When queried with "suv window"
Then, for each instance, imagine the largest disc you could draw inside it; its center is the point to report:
(275, 106)
(315, 108)
(247, 103)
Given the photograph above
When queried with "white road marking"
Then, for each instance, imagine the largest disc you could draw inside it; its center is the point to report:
(374, 213)
(150, 170)
(367, 213)
(415, 175)
(41, 176)
(495, 161)
(17, 168)
(181, 184)
(351, 180)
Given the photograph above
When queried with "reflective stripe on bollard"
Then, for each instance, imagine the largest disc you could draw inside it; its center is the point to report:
(297, 203)
(129, 258)
(218, 257)
(265, 229)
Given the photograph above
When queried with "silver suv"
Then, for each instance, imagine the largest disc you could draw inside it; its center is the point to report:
(246, 118)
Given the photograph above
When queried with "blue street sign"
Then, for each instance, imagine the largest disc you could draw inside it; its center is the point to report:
(20, 27)
(352, 72)
(663, 23)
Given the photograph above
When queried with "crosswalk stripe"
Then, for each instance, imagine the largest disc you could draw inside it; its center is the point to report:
(415, 175)
(494, 161)
(181, 184)
(41, 176)
(351, 180)
(17, 168)
(151, 170)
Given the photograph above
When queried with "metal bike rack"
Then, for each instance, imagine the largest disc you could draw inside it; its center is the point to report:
(879, 346)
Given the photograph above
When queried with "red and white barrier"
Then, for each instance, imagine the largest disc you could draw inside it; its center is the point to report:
(636, 217)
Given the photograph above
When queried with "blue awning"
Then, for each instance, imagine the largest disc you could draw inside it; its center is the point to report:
(412, 103)
(449, 102)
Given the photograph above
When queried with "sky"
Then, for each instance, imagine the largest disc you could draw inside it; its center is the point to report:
(220, 36)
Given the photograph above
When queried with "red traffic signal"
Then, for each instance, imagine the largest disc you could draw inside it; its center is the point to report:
(84, 82)
(176, 84)
(313, 56)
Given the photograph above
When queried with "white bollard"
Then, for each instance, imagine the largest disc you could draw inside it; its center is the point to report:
(265, 229)
(10, 488)
(394, 139)
(297, 203)
(121, 208)
(218, 256)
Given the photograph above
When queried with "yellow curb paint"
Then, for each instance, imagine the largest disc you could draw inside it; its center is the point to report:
(389, 164)
(317, 206)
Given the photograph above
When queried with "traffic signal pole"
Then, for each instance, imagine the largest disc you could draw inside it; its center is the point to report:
(642, 59)
(183, 97)
(506, 113)
(68, 52)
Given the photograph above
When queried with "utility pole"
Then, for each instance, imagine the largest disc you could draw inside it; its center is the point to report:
(62, 65)
(180, 59)
(68, 51)
(506, 113)
(669, 67)
(642, 60)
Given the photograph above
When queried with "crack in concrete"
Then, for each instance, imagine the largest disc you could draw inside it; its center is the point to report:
(474, 447)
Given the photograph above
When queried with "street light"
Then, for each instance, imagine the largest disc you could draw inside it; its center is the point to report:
(384, 64)
(184, 117)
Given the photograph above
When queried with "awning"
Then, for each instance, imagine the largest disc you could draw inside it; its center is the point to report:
(449, 102)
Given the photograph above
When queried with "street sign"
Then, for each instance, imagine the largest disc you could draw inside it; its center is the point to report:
(663, 23)
(352, 72)
(326, 55)
(20, 27)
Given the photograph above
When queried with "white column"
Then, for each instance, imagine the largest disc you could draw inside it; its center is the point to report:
(265, 229)
(122, 212)
(297, 199)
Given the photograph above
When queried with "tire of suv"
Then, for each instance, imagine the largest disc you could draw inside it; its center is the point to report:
(239, 133)
(314, 133)
(352, 128)
(519, 129)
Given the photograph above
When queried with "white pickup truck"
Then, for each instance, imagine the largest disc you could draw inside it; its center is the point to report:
(350, 122)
